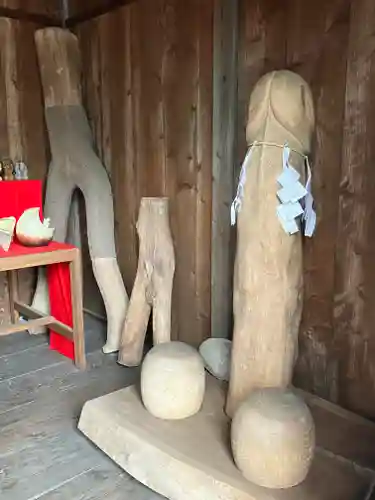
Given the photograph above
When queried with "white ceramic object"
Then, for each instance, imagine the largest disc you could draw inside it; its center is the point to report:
(173, 381)
(273, 438)
(31, 231)
(216, 354)
(7, 225)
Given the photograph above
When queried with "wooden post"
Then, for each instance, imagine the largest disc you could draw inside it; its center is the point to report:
(153, 283)
(60, 67)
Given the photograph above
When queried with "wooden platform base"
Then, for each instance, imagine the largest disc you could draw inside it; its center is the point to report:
(191, 459)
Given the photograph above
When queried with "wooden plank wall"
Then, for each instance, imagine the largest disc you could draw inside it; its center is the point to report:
(329, 43)
(148, 90)
(22, 129)
(78, 11)
(43, 11)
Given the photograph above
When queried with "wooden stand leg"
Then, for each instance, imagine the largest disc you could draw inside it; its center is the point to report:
(13, 294)
(77, 309)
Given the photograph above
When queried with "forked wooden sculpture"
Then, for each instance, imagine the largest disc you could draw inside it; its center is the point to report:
(76, 166)
(268, 266)
(153, 283)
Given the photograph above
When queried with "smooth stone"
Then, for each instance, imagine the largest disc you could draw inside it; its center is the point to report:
(216, 354)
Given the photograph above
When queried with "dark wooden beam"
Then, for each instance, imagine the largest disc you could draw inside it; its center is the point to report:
(224, 162)
(20, 14)
(79, 11)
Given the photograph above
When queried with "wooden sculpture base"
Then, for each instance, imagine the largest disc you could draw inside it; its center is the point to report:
(191, 459)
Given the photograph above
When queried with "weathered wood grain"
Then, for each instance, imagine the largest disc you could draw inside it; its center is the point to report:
(22, 131)
(354, 312)
(21, 342)
(41, 451)
(262, 46)
(104, 481)
(78, 11)
(224, 158)
(36, 353)
(64, 406)
(150, 106)
(35, 147)
(44, 466)
(330, 45)
(46, 12)
(317, 50)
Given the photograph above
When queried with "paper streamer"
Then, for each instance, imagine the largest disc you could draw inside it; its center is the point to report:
(296, 200)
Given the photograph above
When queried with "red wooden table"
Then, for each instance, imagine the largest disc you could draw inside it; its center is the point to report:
(15, 198)
(20, 257)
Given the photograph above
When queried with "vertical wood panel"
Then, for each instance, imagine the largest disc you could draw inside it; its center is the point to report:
(35, 145)
(25, 136)
(262, 46)
(317, 49)
(148, 89)
(355, 271)
(79, 10)
(22, 130)
(91, 86)
(203, 193)
(223, 162)
(151, 155)
(47, 8)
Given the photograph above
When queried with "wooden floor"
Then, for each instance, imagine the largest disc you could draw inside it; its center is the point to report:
(42, 455)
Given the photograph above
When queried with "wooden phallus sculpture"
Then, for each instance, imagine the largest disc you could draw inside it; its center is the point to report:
(153, 283)
(74, 166)
(268, 266)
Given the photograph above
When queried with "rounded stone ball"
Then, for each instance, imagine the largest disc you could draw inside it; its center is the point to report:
(273, 438)
(173, 381)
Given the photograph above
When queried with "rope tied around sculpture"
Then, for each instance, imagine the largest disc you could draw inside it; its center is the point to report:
(296, 200)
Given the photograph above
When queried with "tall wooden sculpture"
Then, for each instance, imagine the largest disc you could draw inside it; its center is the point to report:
(268, 267)
(153, 283)
(76, 166)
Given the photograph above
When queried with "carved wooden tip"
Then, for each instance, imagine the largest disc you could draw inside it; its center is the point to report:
(282, 100)
(60, 66)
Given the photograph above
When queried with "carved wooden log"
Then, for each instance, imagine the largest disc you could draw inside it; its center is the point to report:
(153, 283)
(268, 267)
(76, 166)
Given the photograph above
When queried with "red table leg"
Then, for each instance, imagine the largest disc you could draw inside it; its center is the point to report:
(60, 299)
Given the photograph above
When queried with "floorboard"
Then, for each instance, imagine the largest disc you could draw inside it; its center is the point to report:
(42, 454)
(20, 342)
(103, 481)
(37, 355)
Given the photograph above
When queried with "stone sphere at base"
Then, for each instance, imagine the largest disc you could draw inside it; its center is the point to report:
(273, 438)
(173, 381)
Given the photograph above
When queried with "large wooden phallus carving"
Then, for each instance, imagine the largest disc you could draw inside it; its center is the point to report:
(74, 166)
(268, 266)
